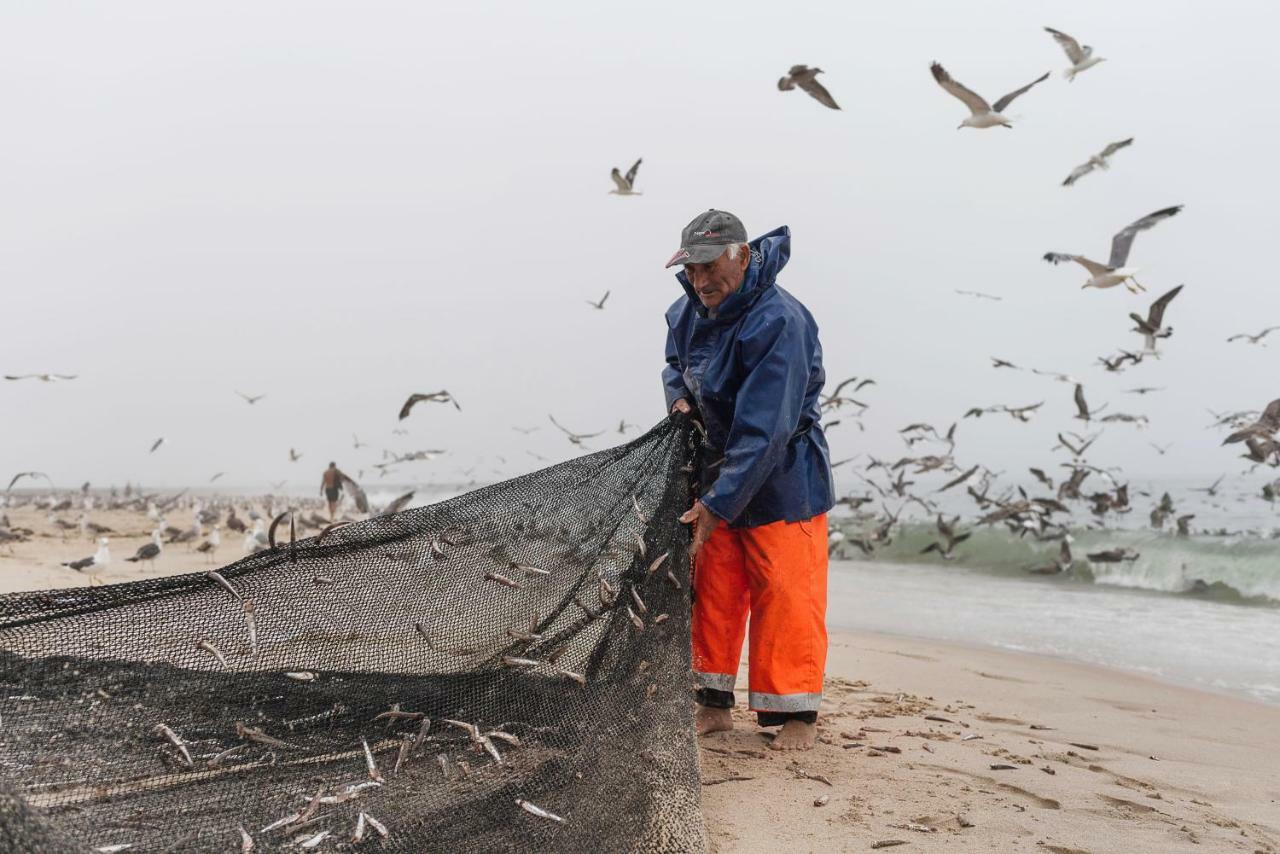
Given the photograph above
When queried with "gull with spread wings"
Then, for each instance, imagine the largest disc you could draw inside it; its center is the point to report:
(1081, 56)
(434, 397)
(807, 79)
(1097, 161)
(625, 183)
(575, 438)
(981, 114)
(1152, 328)
(44, 378)
(1114, 272)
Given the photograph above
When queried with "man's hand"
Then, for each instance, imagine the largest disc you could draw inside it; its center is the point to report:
(681, 405)
(704, 522)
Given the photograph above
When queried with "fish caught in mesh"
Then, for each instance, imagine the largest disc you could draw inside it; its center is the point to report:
(474, 675)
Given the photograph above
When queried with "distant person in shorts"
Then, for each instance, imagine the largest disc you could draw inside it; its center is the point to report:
(331, 486)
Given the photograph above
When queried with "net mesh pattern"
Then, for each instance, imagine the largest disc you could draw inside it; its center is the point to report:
(515, 644)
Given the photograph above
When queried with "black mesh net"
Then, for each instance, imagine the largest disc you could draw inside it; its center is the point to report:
(504, 671)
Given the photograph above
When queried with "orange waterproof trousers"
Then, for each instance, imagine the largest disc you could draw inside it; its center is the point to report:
(778, 574)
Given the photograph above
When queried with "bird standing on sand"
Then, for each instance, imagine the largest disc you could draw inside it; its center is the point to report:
(625, 184)
(94, 564)
(150, 551)
(1081, 56)
(1114, 271)
(981, 114)
(806, 78)
(210, 546)
(1152, 328)
(1097, 161)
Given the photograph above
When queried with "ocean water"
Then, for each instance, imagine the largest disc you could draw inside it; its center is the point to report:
(1125, 620)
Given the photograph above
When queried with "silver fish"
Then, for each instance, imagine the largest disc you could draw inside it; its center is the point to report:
(513, 740)
(576, 677)
(657, 562)
(503, 580)
(513, 661)
(358, 835)
(635, 620)
(369, 763)
(251, 623)
(671, 576)
(529, 569)
(302, 675)
(406, 742)
(635, 504)
(322, 579)
(281, 822)
(640, 544)
(377, 825)
(660, 619)
(176, 742)
(472, 730)
(491, 749)
(208, 647)
(246, 841)
(253, 734)
(534, 809)
(216, 577)
(640, 606)
(313, 841)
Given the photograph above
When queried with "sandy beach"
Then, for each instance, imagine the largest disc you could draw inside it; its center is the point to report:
(1101, 761)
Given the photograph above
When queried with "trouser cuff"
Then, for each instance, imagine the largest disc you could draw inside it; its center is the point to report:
(713, 699)
(780, 718)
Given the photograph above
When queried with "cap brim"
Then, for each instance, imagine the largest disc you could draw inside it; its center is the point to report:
(703, 253)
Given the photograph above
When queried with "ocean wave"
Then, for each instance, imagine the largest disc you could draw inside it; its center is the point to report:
(1239, 570)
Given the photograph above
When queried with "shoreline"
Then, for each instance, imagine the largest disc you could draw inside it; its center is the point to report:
(1097, 760)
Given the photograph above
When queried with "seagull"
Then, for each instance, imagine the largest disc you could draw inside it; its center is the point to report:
(1212, 489)
(950, 539)
(44, 378)
(251, 399)
(1059, 565)
(356, 443)
(1116, 363)
(1097, 161)
(1001, 363)
(442, 396)
(982, 114)
(95, 563)
(1160, 450)
(210, 545)
(980, 295)
(1264, 428)
(1081, 56)
(625, 183)
(216, 476)
(1152, 329)
(806, 78)
(33, 474)
(1062, 378)
(1146, 389)
(155, 446)
(526, 430)
(1082, 408)
(1114, 272)
(1076, 450)
(1254, 339)
(294, 456)
(575, 438)
(150, 551)
(599, 305)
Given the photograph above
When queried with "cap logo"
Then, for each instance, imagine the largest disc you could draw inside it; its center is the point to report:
(707, 233)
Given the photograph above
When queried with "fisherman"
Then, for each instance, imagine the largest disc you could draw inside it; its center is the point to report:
(331, 486)
(743, 357)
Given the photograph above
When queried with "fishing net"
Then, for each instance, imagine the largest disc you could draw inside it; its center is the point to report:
(451, 675)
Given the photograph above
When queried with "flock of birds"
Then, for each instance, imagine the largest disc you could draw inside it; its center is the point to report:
(1043, 515)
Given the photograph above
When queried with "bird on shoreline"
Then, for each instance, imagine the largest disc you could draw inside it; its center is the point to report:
(442, 396)
(210, 546)
(1114, 272)
(95, 563)
(149, 551)
(981, 114)
(1152, 328)
(1097, 161)
(1081, 56)
(806, 78)
(625, 184)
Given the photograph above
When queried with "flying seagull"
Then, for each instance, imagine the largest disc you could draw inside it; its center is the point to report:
(625, 183)
(20, 475)
(44, 378)
(1081, 56)
(1254, 339)
(982, 114)
(575, 438)
(155, 446)
(1082, 408)
(1114, 271)
(294, 456)
(997, 362)
(1152, 329)
(1097, 161)
(1145, 389)
(980, 295)
(1264, 428)
(806, 78)
(599, 305)
(434, 397)
(251, 399)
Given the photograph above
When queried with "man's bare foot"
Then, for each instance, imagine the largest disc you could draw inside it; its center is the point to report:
(713, 720)
(795, 735)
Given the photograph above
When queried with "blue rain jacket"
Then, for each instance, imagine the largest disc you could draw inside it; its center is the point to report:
(754, 371)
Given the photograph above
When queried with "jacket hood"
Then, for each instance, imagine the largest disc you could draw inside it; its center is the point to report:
(769, 254)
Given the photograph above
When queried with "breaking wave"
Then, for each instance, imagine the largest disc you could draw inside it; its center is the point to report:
(1239, 570)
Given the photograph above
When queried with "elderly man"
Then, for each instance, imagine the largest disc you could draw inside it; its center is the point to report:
(745, 353)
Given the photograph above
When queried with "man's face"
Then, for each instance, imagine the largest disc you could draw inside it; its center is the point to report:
(714, 281)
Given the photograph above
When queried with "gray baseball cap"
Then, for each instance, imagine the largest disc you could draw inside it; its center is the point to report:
(704, 239)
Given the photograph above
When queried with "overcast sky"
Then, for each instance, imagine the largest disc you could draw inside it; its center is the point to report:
(336, 204)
